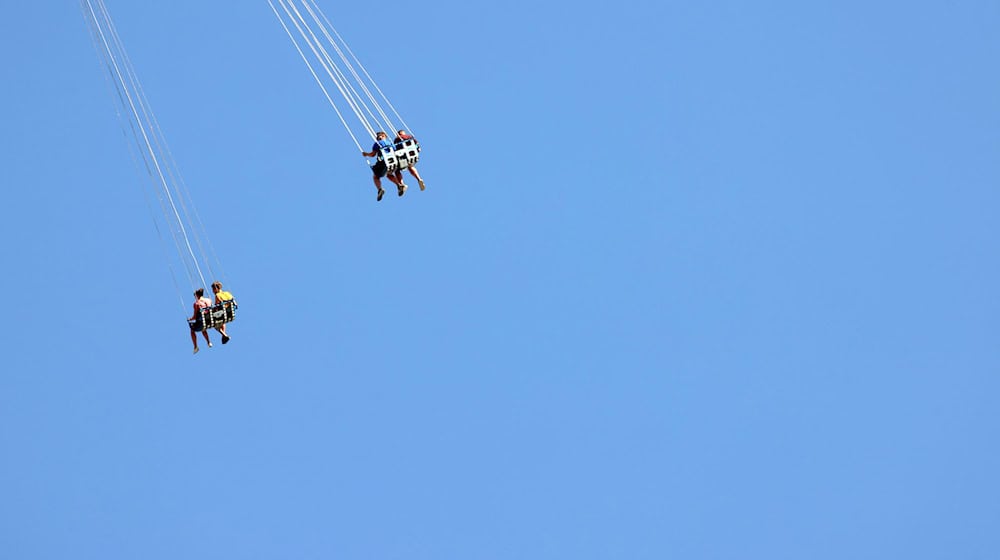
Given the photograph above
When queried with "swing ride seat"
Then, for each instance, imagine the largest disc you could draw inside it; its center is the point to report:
(219, 314)
(401, 155)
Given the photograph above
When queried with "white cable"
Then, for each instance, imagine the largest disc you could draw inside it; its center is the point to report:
(347, 64)
(113, 87)
(362, 67)
(354, 97)
(145, 135)
(181, 194)
(312, 71)
(178, 231)
(122, 87)
(355, 89)
(314, 44)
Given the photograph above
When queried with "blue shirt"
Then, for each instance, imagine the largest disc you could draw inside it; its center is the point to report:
(379, 144)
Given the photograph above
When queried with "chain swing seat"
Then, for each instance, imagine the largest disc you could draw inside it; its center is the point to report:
(215, 316)
(401, 155)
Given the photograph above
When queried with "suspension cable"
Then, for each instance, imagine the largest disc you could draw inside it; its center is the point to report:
(362, 67)
(341, 65)
(196, 227)
(336, 75)
(312, 71)
(179, 213)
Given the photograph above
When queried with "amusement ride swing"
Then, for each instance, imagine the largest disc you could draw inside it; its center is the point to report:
(344, 71)
(178, 218)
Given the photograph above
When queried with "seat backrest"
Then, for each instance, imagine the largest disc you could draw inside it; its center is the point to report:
(407, 153)
(388, 155)
(216, 315)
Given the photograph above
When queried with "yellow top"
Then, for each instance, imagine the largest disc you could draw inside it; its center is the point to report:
(224, 295)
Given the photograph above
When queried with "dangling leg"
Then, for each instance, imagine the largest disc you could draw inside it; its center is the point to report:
(416, 175)
(194, 340)
(378, 185)
(397, 178)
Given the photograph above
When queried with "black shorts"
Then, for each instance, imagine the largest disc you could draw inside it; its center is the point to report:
(379, 169)
(196, 326)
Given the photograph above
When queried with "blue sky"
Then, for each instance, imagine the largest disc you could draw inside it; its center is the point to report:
(709, 280)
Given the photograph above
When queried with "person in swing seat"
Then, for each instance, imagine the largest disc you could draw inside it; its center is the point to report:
(402, 135)
(195, 322)
(379, 169)
(221, 296)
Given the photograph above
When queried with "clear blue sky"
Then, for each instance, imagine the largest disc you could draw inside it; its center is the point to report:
(705, 280)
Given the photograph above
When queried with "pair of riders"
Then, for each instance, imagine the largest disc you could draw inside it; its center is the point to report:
(202, 302)
(379, 169)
